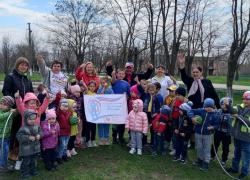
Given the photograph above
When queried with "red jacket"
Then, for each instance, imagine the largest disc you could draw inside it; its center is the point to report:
(130, 102)
(63, 120)
(159, 123)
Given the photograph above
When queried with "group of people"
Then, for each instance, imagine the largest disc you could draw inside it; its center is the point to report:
(53, 123)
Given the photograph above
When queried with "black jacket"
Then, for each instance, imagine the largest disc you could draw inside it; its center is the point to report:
(196, 98)
(145, 75)
(15, 81)
(184, 125)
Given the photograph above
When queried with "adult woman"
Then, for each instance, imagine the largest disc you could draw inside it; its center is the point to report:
(17, 80)
(198, 88)
(87, 72)
(165, 81)
(53, 78)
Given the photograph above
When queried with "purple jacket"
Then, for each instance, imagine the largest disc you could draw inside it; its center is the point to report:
(49, 140)
(79, 101)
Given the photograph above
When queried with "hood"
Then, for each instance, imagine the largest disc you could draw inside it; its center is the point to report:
(139, 103)
(30, 96)
(45, 123)
(27, 114)
(71, 101)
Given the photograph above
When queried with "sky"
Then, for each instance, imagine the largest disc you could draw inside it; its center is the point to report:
(15, 14)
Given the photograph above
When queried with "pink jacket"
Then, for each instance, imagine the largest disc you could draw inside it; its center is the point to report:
(137, 121)
(49, 140)
(21, 106)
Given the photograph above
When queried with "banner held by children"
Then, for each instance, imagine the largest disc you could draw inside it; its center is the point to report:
(106, 108)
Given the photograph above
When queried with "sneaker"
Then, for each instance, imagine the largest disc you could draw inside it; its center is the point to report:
(139, 152)
(172, 153)
(89, 144)
(55, 166)
(93, 144)
(68, 153)
(101, 141)
(242, 176)
(59, 160)
(80, 145)
(205, 166)
(199, 162)
(18, 165)
(65, 158)
(176, 158)
(231, 170)
(132, 151)
(212, 159)
(223, 163)
(6, 169)
(73, 152)
(114, 141)
(106, 141)
(153, 153)
(164, 153)
(183, 161)
(35, 173)
(122, 140)
(190, 146)
(25, 176)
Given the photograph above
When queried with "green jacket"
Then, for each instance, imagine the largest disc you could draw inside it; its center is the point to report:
(3, 119)
(239, 130)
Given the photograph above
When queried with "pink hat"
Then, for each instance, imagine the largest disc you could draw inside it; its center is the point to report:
(50, 113)
(63, 93)
(75, 88)
(134, 89)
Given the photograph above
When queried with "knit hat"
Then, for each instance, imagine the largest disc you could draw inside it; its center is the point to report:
(172, 88)
(64, 102)
(165, 110)
(28, 114)
(63, 93)
(208, 103)
(185, 107)
(246, 95)
(21, 60)
(50, 113)
(181, 91)
(8, 100)
(75, 88)
(134, 89)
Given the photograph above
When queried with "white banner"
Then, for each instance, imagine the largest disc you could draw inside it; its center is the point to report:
(106, 108)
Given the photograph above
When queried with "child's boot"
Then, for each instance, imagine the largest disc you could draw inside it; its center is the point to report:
(132, 151)
(73, 152)
(18, 165)
(48, 166)
(205, 166)
(101, 141)
(139, 152)
(65, 158)
(59, 160)
(106, 141)
(54, 165)
(25, 175)
(199, 162)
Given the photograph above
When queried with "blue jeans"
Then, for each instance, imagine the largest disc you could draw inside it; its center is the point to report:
(181, 146)
(6, 147)
(159, 140)
(174, 134)
(241, 151)
(103, 130)
(62, 150)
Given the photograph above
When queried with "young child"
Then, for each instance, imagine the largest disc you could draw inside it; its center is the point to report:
(41, 90)
(223, 133)
(74, 129)
(157, 100)
(63, 116)
(204, 131)
(147, 98)
(49, 142)
(241, 135)
(144, 83)
(103, 129)
(134, 94)
(74, 93)
(30, 101)
(90, 128)
(28, 136)
(119, 86)
(61, 94)
(6, 104)
(159, 125)
(180, 99)
(137, 124)
(183, 129)
(171, 95)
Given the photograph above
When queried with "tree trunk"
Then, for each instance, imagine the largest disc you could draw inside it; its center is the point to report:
(188, 65)
(237, 76)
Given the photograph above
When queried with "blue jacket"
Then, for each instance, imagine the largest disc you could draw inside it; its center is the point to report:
(157, 103)
(208, 119)
(225, 122)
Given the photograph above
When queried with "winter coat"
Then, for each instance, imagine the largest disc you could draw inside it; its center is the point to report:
(137, 121)
(239, 130)
(49, 140)
(157, 103)
(196, 98)
(225, 122)
(166, 82)
(160, 122)
(145, 75)
(86, 78)
(78, 101)
(3, 119)
(26, 146)
(63, 120)
(21, 106)
(184, 125)
(208, 119)
(15, 81)
(46, 72)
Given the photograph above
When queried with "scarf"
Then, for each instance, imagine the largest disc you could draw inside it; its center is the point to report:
(197, 83)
